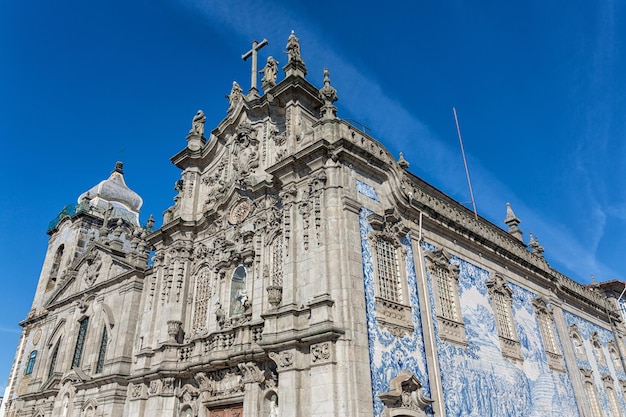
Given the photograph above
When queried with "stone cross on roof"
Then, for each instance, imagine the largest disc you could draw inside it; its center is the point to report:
(253, 53)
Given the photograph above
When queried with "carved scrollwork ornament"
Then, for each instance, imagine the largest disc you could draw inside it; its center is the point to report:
(283, 359)
(405, 394)
(321, 352)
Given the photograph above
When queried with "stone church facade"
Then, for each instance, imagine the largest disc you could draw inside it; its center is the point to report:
(304, 271)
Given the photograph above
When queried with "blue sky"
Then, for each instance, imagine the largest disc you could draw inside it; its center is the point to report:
(538, 87)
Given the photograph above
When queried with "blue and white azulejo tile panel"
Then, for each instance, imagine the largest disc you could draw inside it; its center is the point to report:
(477, 380)
(390, 354)
(599, 366)
(367, 190)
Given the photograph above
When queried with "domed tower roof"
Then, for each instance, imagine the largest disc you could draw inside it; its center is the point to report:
(114, 191)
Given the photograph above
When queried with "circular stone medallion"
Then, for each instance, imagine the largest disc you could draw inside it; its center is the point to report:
(240, 211)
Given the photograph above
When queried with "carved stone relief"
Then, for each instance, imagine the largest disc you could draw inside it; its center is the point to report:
(284, 360)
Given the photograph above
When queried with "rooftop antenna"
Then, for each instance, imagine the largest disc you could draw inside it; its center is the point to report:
(469, 182)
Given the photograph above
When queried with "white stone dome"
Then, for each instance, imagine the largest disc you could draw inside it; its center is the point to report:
(114, 191)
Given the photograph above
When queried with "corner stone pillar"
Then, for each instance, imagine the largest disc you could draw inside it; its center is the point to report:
(289, 383)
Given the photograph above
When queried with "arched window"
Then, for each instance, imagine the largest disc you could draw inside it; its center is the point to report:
(597, 349)
(80, 342)
(54, 271)
(615, 358)
(238, 295)
(31, 362)
(577, 341)
(592, 393)
(53, 359)
(103, 350)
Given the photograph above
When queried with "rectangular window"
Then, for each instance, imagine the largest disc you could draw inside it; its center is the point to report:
(503, 315)
(389, 286)
(444, 278)
(103, 350)
(80, 343)
(445, 293)
(545, 321)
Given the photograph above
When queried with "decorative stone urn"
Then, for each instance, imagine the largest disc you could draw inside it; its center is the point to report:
(173, 328)
(274, 295)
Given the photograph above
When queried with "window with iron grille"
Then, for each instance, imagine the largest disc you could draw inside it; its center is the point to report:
(503, 314)
(389, 286)
(445, 293)
(80, 342)
(546, 328)
(444, 280)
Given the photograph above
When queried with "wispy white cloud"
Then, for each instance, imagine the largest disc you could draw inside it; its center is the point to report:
(10, 330)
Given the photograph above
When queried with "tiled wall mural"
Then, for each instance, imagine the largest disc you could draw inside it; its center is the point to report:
(477, 380)
(600, 362)
(367, 190)
(390, 354)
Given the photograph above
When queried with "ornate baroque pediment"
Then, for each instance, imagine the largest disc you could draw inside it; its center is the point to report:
(95, 266)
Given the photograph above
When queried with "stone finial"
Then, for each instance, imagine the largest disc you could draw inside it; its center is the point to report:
(118, 167)
(150, 222)
(403, 163)
(535, 246)
(329, 94)
(235, 96)
(513, 221)
(295, 64)
(269, 73)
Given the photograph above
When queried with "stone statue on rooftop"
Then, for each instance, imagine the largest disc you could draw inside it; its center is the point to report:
(235, 95)
(293, 48)
(197, 124)
(269, 73)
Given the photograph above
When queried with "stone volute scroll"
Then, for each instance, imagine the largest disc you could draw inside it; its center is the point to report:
(405, 397)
